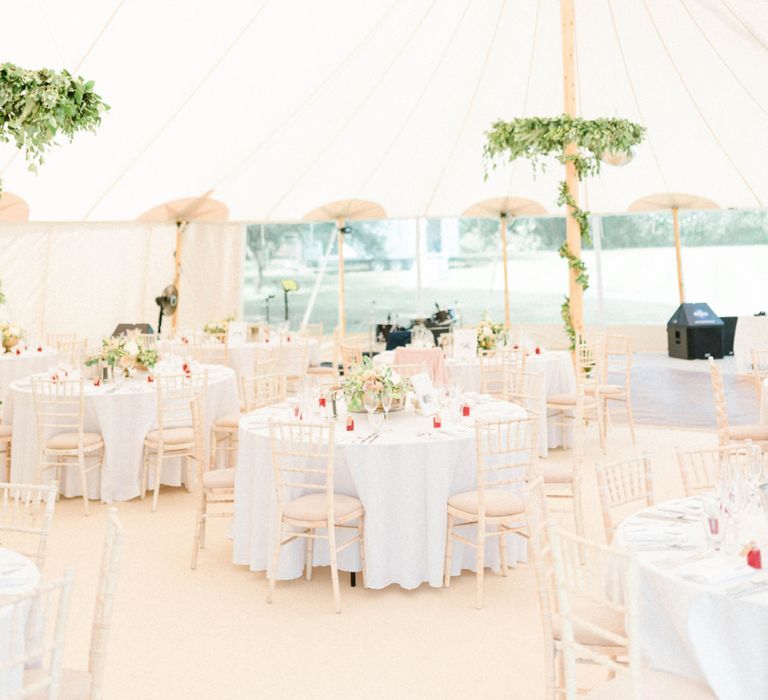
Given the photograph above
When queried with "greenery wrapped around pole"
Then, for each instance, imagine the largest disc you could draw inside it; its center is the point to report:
(538, 138)
(38, 105)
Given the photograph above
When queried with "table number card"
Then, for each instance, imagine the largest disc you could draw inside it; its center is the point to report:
(236, 333)
(425, 393)
(465, 343)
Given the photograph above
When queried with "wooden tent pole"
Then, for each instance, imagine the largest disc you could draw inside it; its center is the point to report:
(503, 224)
(180, 228)
(573, 235)
(678, 254)
(342, 317)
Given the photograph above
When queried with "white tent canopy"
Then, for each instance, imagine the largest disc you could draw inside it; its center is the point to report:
(275, 107)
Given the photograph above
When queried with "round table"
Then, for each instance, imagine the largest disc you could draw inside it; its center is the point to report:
(18, 575)
(123, 412)
(702, 616)
(26, 363)
(403, 478)
(556, 367)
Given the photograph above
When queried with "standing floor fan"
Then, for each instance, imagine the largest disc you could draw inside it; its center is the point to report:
(167, 301)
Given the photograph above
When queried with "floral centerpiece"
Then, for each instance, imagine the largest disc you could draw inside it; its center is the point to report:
(218, 328)
(489, 334)
(377, 378)
(112, 351)
(126, 351)
(10, 334)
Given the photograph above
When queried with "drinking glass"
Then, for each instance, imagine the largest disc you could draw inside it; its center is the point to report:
(386, 402)
(371, 405)
(714, 524)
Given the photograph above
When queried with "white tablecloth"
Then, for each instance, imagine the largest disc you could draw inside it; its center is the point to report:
(13, 366)
(751, 334)
(123, 413)
(559, 378)
(18, 575)
(697, 630)
(241, 358)
(403, 481)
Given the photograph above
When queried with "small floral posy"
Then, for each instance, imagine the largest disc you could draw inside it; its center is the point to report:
(11, 335)
(489, 333)
(218, 327)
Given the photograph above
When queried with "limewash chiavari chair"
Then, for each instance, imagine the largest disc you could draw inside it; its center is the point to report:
(292, 361)
(494, 366)
(589, 575)
(616, 381)
(759, 369)
(538, 522)
(78, 684)
(726, 433)
(302, 460)
(525, 389)
(174, 435)
(576, 409)
(26, 513)
(37, 623)
(6, 445)
(210, 349)
(215, 487)
(700, 469)
(257, 392)
(506, 456)
(351, 357)
(62, 439)
(625, 487)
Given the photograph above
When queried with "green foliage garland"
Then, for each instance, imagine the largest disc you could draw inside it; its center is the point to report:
(537, 138)
(38, 105)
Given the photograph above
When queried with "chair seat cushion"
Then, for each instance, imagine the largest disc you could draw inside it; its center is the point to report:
(231, 420)
(497, 502)
(605, 389)
(219, 478)
(554, 473)
(753, 431)
(75, 684)
(5, 431)
(173, 436)
(315, 507)
(562, 399)
(69, 441)
(656, 684)
(608, 619)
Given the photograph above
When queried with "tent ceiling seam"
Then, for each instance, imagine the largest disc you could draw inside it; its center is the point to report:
(416, 104)
(526, 94)
(398, 54)
(635, 97)
(236, 40)
(746, 26)
(697, 107)
(468, 111)
(247, 162)
(722, 60)
(98, 36)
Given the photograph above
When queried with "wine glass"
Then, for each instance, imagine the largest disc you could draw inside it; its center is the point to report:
(714, 524)
(371, 405)
(386, 402)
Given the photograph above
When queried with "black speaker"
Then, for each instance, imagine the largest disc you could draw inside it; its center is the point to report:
(695, 332)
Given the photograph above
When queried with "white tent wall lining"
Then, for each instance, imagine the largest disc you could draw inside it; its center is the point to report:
(88, 277)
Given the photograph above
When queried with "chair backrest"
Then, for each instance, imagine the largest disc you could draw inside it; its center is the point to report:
(351, 357)
(111, 555)
(623, 485)
(588, 356)
(37, 623)
(701, 469)
(446, 343)
(506, 453)
(302, 460)
(174, 394)
(292, 357)
(590, 575)
(61, 341)
(538, 521)
(312, 330)
(494, 366)
(210, 349)
(59, 406)
(525, 389)
(263, 390)
(718, 393)
(26, 512)
(617, 360)
(265, 364)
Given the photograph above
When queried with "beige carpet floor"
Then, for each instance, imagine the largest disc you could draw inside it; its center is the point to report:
(209, 633)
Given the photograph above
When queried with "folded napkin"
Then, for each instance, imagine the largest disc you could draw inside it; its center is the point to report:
(650, 535)
(13, 575)
(716, 570)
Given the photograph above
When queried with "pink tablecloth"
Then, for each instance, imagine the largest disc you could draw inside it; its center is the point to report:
(433, 358)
